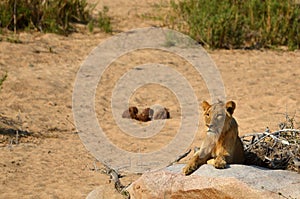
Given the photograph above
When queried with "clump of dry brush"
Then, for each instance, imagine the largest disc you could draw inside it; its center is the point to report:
(275, 150)
(56, 16)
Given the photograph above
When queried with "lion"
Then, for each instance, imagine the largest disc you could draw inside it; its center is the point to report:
(222, 144)
(131, 112)
(147, 114)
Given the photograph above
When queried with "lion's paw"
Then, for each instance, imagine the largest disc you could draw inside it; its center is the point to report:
(219, 163)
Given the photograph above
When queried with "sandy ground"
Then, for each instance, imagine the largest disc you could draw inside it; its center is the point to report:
(52, 162)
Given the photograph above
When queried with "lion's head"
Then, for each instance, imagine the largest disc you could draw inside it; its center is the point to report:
(218, 116)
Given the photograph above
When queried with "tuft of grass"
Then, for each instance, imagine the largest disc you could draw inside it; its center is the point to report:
(56, 16)
(104, 21)
(2, 79)
(238, 24)
(14, 40)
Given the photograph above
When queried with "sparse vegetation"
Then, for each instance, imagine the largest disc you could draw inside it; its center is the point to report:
(238, 24)
(48, 15)
(104, 21)
(2, 79)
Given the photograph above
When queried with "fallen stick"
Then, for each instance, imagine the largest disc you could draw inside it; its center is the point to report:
(180, 157)
(251, 135)
(267, 133)
(275, 132)
(115, 177)
(286, 130)
(277, 139)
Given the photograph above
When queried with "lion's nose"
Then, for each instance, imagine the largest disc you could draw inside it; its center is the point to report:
(210, 127)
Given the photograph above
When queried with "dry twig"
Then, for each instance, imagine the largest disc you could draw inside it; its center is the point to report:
(258, 137)
(115, 177)
(180, 157)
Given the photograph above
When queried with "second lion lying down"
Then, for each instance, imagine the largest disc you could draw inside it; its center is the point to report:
(222, 144)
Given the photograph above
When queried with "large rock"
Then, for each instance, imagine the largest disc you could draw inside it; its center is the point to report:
(104, 191)
(237, 181)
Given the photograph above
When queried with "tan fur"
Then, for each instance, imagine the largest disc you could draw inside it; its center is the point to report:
(131, 112)
(222, 144)
(144, 116)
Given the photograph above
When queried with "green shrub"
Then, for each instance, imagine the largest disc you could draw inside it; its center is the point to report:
(238, 24)
(58, 16)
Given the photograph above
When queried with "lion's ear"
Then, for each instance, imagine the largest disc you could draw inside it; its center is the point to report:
(205, 105)
(230, 106)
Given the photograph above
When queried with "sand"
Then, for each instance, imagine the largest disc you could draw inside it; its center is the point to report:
(52, 162)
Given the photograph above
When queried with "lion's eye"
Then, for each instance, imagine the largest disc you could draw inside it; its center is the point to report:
(207, 114)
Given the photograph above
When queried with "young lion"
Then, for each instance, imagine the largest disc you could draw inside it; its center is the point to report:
(222, 144)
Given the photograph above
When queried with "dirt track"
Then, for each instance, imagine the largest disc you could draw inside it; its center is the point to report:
(53, 163)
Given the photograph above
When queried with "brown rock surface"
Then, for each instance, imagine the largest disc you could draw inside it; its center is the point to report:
(238, 181)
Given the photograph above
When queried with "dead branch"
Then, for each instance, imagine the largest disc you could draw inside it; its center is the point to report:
(251, 135)
(180, 157)
(115, 177)
(275, 150)
(261, 136)
(275, 132)
(287, 130)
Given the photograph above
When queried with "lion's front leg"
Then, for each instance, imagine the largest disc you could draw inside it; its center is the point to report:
(194, 163)
(201, 156)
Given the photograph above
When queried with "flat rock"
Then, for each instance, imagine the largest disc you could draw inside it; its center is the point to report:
(104, 192)
(236, 181)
